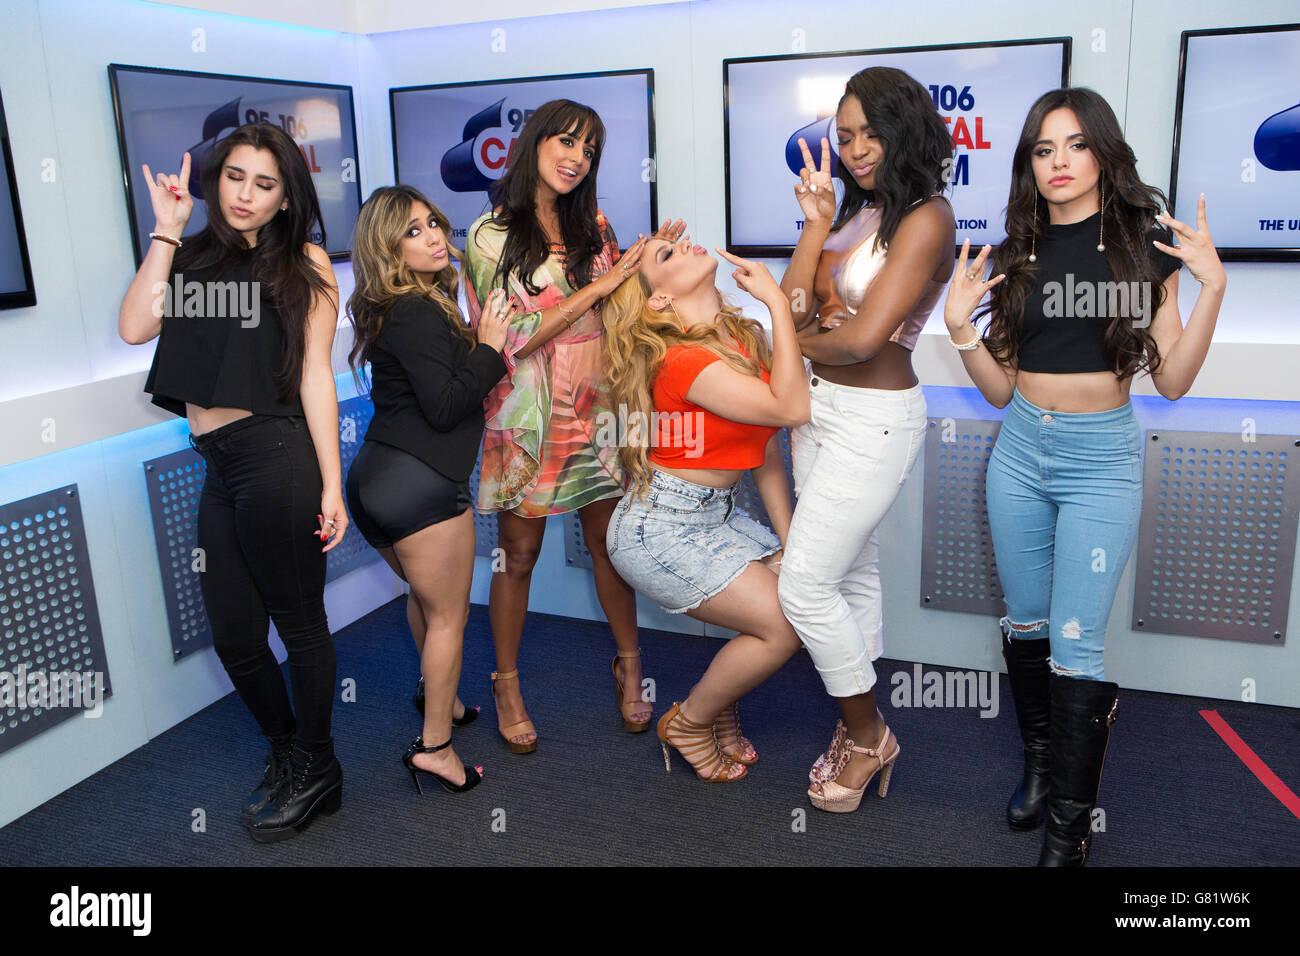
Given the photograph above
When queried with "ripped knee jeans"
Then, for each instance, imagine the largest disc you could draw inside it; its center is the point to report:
(1063, 493)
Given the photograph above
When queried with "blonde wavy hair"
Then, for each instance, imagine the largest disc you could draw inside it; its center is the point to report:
(382, 275)
(638, 337)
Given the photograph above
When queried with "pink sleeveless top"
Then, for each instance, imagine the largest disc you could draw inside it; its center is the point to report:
(853, 274)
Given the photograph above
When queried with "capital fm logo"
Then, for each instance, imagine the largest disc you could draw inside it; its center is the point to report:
(489, 140)
(225, 118)
(812, 135)
(1277, 141)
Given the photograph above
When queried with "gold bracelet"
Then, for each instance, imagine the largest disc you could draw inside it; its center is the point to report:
(966, 347)
(167, 239)
(566, 316)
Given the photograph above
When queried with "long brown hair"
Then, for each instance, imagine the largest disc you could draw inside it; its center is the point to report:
(635, 342)
(1128, 217)
(382, 275)
(515, 193)
(278, 260)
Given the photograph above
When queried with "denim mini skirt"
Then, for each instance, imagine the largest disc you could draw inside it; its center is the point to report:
(683, 543)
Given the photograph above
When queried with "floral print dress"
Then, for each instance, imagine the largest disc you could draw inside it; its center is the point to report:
(540, 454)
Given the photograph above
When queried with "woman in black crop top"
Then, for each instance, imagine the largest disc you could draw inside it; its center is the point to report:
(245, 313)
(1084, 296)
(408, 487)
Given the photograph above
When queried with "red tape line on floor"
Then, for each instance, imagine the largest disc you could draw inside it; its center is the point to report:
(1251, 759)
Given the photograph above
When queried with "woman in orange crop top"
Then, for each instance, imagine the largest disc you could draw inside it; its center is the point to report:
(259, 394)
(700, 396)
(875, 270)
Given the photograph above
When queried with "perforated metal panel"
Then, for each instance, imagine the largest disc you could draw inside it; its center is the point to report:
(1216, 546)
(958, 572)
(576, 554)
(174, 484)
(485, 525)
(353, 552)
(49, 621)
(749, 500)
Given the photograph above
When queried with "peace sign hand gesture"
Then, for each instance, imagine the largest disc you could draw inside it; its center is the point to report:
(816, 191)
(967, 289)
(172, 202)
(1195, 248)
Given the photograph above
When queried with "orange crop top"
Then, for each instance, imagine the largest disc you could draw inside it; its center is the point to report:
(684, 435)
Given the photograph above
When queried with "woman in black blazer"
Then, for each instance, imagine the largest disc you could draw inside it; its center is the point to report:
(408, 488)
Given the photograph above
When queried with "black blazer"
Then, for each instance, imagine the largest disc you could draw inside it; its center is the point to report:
(428, 387)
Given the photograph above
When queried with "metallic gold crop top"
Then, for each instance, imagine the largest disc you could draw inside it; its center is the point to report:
(857, 266)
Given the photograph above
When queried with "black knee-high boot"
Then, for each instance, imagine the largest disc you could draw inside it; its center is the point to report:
(1028, 674)
(1082, 712)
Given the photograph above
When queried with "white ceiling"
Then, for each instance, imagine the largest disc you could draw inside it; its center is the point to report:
(381, 16)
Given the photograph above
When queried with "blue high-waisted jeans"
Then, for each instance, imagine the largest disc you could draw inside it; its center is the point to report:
(1063, 492)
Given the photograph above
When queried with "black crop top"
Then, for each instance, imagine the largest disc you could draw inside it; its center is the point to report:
(1075, 297)
(220, 345)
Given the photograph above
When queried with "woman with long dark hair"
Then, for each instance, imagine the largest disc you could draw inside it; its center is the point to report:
(247, 362)
(1084, 297)
(705, 395)
(862, 284)
(408, 488)
(553, 250)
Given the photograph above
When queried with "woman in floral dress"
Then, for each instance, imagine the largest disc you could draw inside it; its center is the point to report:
(545, 451)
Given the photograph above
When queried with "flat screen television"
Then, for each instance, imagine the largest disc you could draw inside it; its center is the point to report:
(983, 91)
(16, 287)
(451, 141)
(1237, 139)
(163, 113)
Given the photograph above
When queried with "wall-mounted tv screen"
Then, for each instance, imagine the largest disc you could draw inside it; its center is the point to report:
(452, 141)
(983, 91)
(161, 114)
(16, 287)
(1237, 139)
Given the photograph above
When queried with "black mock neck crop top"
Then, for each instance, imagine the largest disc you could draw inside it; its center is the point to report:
(221, 343)
(1075, 296)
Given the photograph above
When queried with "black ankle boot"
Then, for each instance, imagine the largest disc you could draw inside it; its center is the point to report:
(315, 785)
(277, 772)
(1082, 712)
(1028, 674)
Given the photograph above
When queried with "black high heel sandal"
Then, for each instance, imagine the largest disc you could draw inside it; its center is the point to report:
(473, 775)
(464, 720)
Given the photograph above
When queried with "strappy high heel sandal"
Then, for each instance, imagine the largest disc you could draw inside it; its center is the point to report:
(473, 775)
(470, 715)
(698, 746)
(837, 799)
(630, 725)
(515, 730)
(727, 725)
(821, 768)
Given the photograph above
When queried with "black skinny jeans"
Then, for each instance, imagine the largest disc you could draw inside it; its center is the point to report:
(257, 524)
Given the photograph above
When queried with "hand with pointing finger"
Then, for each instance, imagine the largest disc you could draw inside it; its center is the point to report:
(171, 199)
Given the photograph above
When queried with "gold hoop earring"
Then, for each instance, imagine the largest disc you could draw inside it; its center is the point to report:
(1033, 236)
(1101, 223)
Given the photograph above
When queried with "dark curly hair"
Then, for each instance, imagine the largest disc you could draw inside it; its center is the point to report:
(917, 144)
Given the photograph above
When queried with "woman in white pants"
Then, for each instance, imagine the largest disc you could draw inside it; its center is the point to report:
(875, 270)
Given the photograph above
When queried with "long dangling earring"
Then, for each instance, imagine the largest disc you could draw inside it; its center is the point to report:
(1101, 227)
(1033, 237)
